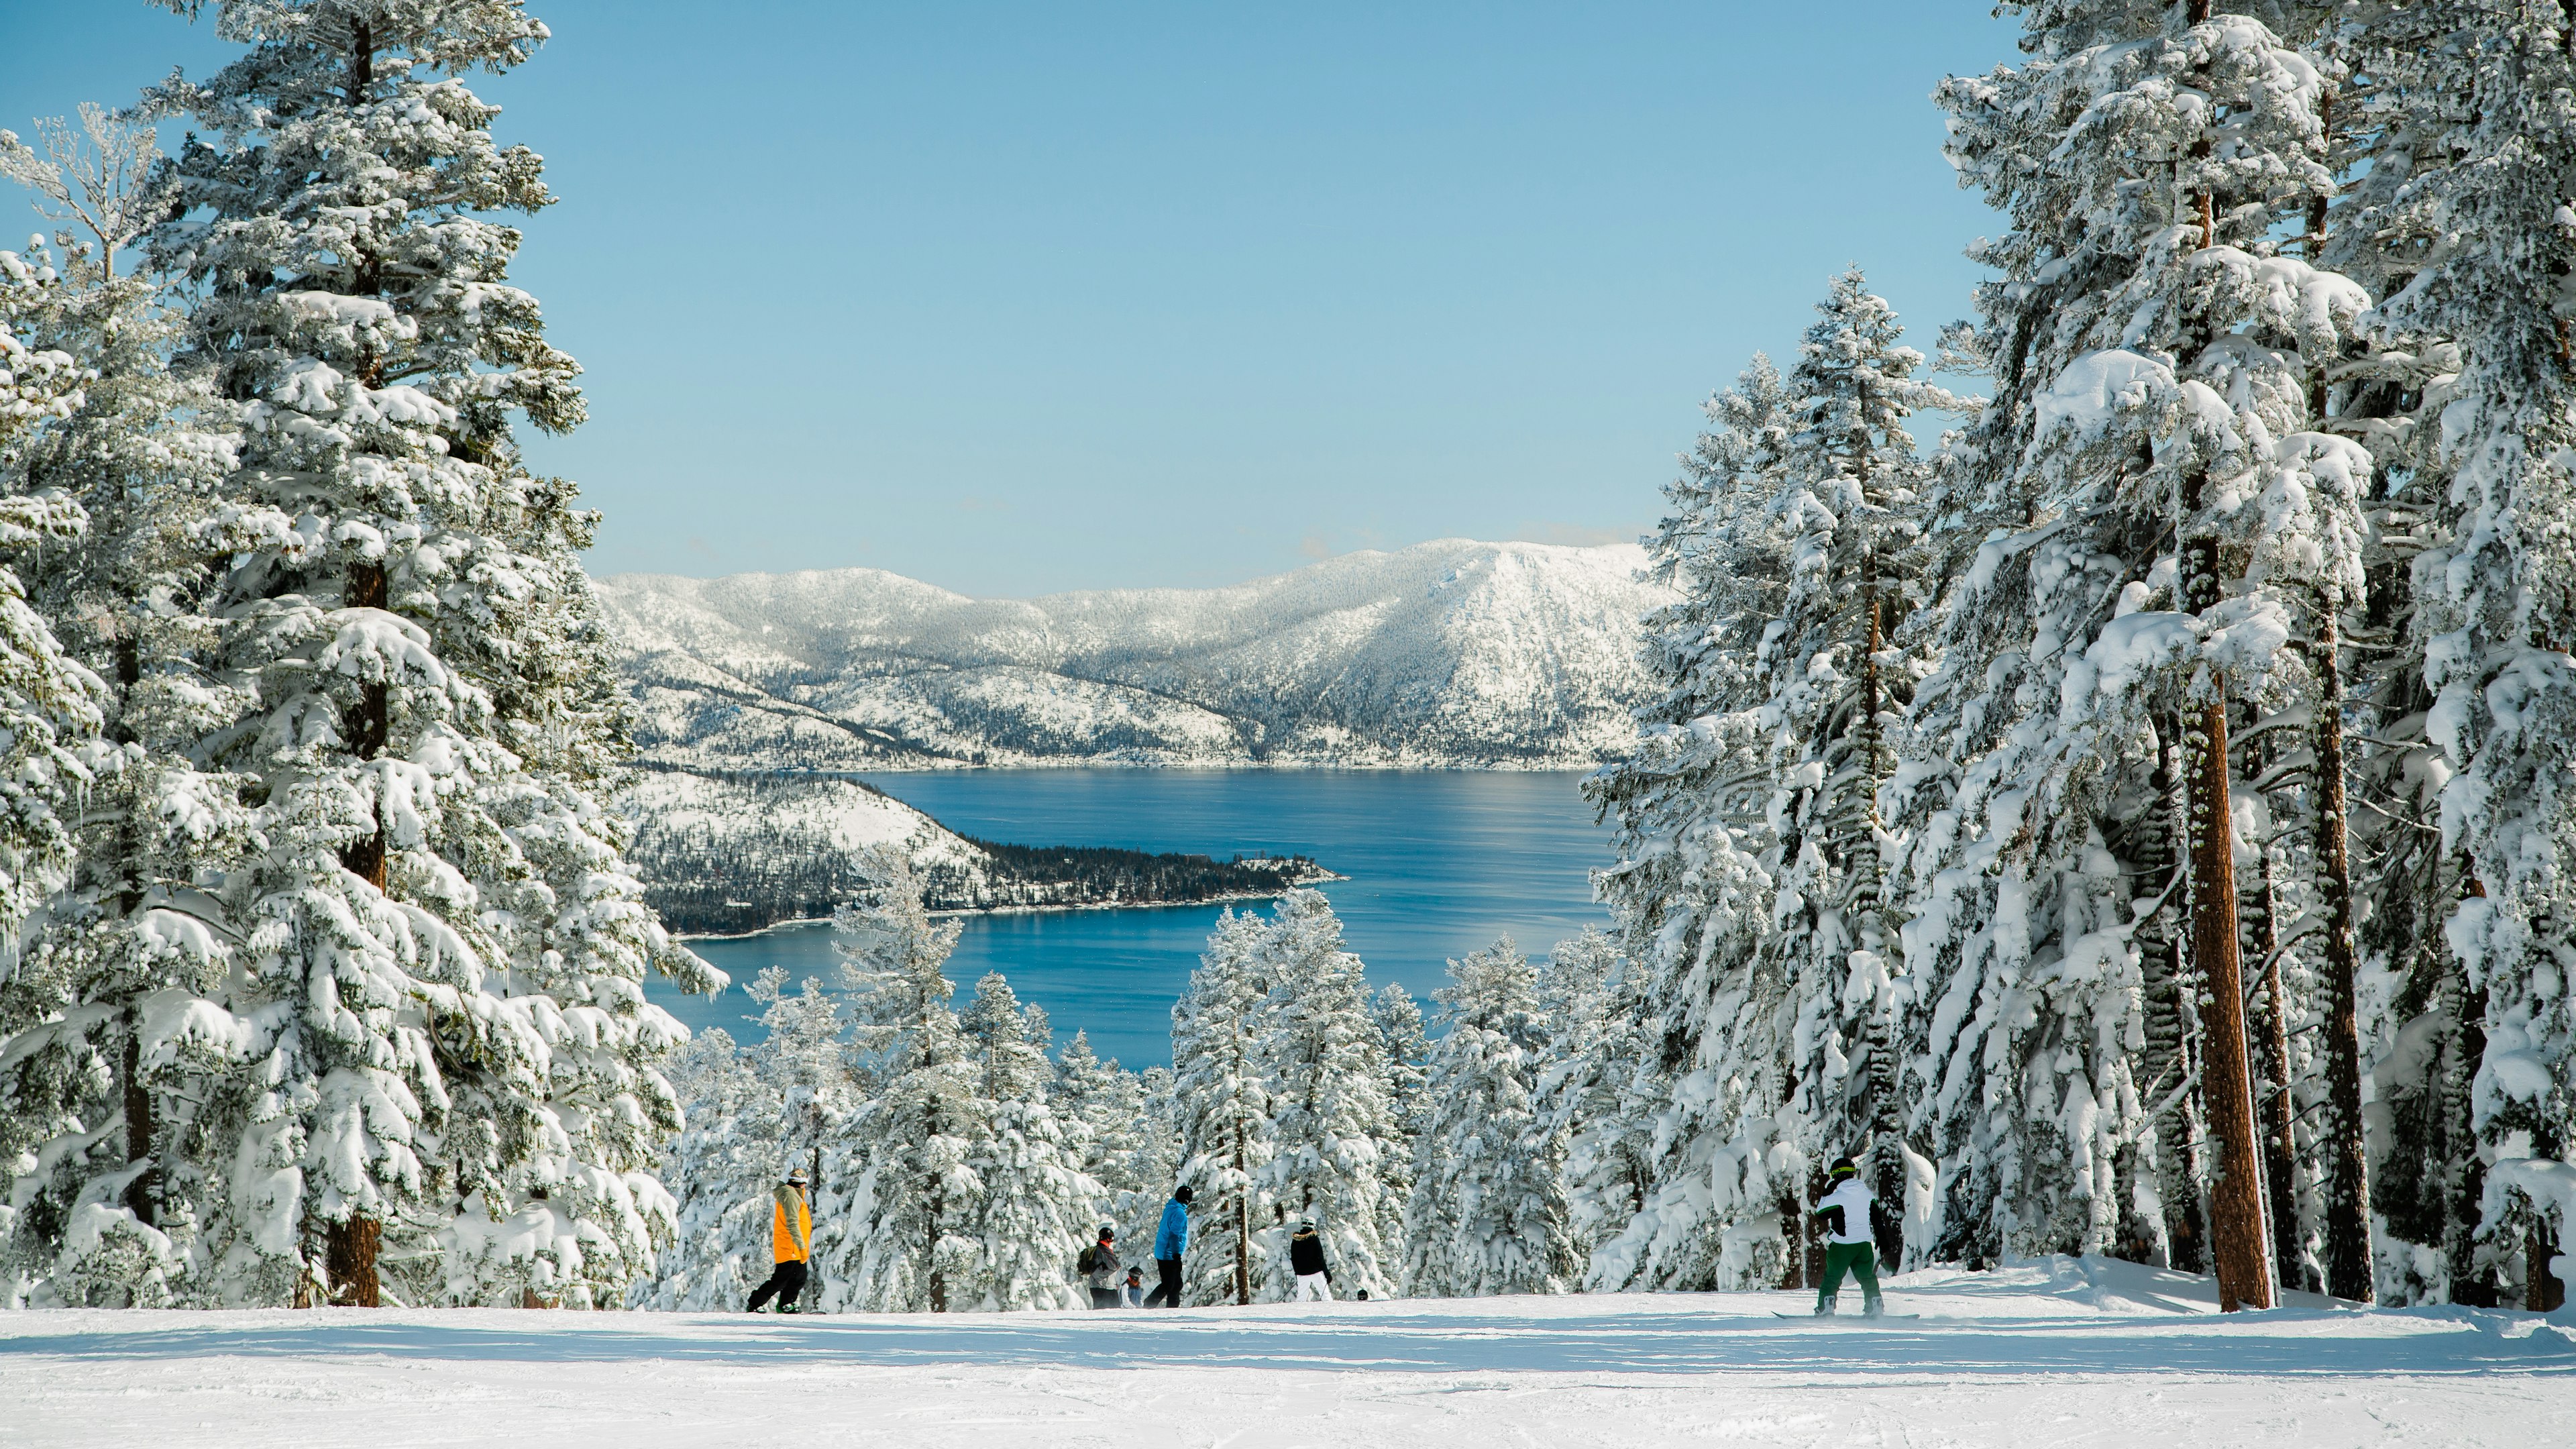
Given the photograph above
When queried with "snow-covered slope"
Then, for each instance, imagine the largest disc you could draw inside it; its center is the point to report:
(2086, 1352)
(1447, 653)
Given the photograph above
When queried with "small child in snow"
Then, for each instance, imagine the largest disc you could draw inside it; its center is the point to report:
(1133, 1295)
(1306, 1260)
(1848, 1244)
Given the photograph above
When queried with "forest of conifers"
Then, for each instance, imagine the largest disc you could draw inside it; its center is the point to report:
(2138, 820)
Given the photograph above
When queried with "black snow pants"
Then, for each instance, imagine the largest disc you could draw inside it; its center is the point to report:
(1167, 1292)
(786, 1280)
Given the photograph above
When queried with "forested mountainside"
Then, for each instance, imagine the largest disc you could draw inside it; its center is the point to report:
(738, 854)
(1446, 653)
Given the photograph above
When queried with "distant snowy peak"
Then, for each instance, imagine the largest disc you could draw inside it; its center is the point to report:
(1446, 653)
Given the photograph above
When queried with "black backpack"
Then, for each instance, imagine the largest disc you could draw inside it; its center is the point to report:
(1089, 1260)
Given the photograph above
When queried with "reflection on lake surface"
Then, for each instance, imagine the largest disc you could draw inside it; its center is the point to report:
(1440, 863)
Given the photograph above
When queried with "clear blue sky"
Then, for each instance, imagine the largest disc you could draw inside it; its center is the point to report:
(1024, 297)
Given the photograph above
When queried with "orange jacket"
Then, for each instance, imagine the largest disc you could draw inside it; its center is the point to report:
(790, 1243)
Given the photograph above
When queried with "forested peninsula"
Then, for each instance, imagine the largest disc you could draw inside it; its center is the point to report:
(768, 849)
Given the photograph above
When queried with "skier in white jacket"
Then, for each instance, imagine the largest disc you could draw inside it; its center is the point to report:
(1848, 1244)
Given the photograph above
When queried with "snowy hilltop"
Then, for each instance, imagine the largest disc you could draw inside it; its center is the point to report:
(1452, 653)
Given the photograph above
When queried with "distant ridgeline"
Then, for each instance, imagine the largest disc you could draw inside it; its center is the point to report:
(1455, 653)
(739, 853)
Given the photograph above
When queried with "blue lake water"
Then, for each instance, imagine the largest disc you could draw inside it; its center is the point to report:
(1439, 864)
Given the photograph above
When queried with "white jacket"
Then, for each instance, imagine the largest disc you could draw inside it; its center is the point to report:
(1853, 1197)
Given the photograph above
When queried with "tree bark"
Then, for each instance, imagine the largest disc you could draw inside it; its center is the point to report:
(2349, 1272)
(349, 1254)
(368, 725)
(2168, 1002)
(1242, 1203)
(2279, 1117)
(938, 1276)
(2236, 1196)
(143, 1194)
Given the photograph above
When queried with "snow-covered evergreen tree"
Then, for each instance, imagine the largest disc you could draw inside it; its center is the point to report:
(437, 996)
(1487, 1210)
(1796, 534)
(1598, 1088)
(1333, 1129)
(1039, 1208)
(911, 1223)
(1223, 1099)
(50, 711)
(2148, 338)
(1407, 1051)
(137, 458)
(2465, 202)
(1692, 899)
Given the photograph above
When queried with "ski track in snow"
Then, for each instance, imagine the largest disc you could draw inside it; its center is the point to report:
(2060, 1352)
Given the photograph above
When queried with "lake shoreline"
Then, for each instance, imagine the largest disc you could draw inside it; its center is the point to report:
(1432, 865)
(1058, 908)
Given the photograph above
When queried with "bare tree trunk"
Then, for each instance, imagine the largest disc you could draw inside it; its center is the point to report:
(2169, 991)
(2279, 1117)
(2349, 1272)
(143, 1193)
(368, 725)
(2236, 1197)
(1242, 1223)
(349, 1255)
(938, 1275)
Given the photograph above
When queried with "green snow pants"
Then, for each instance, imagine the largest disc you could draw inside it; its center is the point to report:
(1858, 1259)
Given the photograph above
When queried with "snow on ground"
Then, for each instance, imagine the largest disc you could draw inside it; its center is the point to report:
(2059, 1352)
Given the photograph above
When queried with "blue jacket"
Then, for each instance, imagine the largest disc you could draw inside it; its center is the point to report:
(1174, 1233)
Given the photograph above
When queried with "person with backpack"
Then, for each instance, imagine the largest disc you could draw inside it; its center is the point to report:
(1099, 1263)
(1171, 1237)
(1849, 1246)
(791, 1245)
(1306, 1260)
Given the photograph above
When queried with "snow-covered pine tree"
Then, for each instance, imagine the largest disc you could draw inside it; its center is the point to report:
(1487, 1214)
(911, 1221)
(2397, 112)
(2147, 339)
(2479, 98)
(1692, 899)
(2385, 972)
(441, 999)
(1408, 1051)
(1598, 1088)
(50, 711)
(1038, 1207)
(1846, 513)
(1223, 1099)
(1798, 531)
(139, 457)
(1333, 1128)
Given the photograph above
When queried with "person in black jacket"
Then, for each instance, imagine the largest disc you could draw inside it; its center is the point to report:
(1306, 1260)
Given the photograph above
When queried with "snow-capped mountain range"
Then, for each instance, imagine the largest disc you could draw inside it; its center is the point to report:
(1452, 653)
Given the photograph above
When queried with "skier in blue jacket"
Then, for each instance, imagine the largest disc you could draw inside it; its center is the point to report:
(1169, 1240)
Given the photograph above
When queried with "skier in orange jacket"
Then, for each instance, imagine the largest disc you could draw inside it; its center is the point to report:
(791, 1245)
